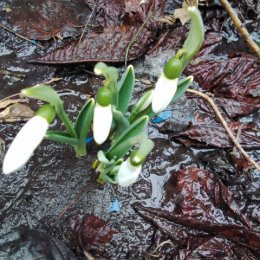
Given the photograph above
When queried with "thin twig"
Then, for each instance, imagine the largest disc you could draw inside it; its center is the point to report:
(11, 96)
(52, 80)
(241, 28)
(20, 36)
(136, 35)
(239, 131)
(87, 23)
(159, 246)
(224, 124)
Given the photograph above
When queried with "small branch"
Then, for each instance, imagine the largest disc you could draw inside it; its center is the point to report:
(87, 23)
(239, 132)
(224, 124)
(20, 36)
(241, 28)
(136, 35)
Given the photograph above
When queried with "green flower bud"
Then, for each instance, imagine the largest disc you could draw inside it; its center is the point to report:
(173, 68)
(47, 111)
(104, 97)
(100, 68)
(136, 159)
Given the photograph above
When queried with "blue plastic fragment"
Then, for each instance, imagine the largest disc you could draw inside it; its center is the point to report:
(33, 41)
(162, 117)
(89, 139)
(114, 205)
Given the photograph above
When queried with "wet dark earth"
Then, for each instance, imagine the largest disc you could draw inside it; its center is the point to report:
(196, 198)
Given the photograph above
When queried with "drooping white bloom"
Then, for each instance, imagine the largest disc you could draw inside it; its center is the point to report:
(24, 144)
(164, 91)
(102, 121)
(128, 174)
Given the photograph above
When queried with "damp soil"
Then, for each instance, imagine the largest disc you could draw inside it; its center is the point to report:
(196, 197)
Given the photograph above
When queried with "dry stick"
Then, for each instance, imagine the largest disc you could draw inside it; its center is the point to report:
(241, 28)
(87, 23)
(136, 35)
(223, 122)
(239, 132)
(20, 36)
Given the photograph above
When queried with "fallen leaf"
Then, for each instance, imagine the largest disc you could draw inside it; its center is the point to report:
(109, 46)
(43, 19)
(198, 205)
(92, 232)
(16, 112)
(5, 103)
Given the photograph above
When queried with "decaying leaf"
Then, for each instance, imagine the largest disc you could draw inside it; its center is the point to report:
(92, 231)
(109, 46)
(16, 112)
(5, 103)
(198, 206)
(43, 19)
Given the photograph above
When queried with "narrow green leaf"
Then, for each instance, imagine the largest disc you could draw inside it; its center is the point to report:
(195, 37)
(183, 85)
(135, 129)
(62, 137)
(147, 112)
(84, 119)
(126, 87)
(121, 121)
(44, 93)
(141, 105)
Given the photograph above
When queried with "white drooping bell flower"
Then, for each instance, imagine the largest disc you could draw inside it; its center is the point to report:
(128, 173)
(102, 121)
(28, 139)
(164, 91)
(24, 144)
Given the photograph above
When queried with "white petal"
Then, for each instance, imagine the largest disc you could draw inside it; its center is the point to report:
(102, 121)
(24, 144)
(128, 174)
(164, 91)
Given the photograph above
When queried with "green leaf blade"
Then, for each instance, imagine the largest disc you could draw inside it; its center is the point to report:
(183, 85)
(44, 93)
(84, 119)
(126, 87)
(62, 137)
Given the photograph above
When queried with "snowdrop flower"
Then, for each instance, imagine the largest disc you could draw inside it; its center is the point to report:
(24, 144)
(102, 119)
(165, 89)
(27, 140)
(128, 173)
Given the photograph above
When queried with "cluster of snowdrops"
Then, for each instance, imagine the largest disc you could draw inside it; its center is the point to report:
(109, 115)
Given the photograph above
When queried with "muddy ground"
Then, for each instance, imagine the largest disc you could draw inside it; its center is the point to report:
(196, 198)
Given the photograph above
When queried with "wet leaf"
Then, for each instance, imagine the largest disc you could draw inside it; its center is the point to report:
(43, 19)
(109, 46)
(16, 112)
(197, 199)
(234, 77)
(23, 243)
(214, 135)
(93, 231)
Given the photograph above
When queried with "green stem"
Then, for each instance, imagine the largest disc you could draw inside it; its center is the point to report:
(80, 148)
(65, 119)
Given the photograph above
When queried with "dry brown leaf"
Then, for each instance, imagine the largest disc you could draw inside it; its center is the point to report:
(5, 103)
(182, 13)
(16, 112)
